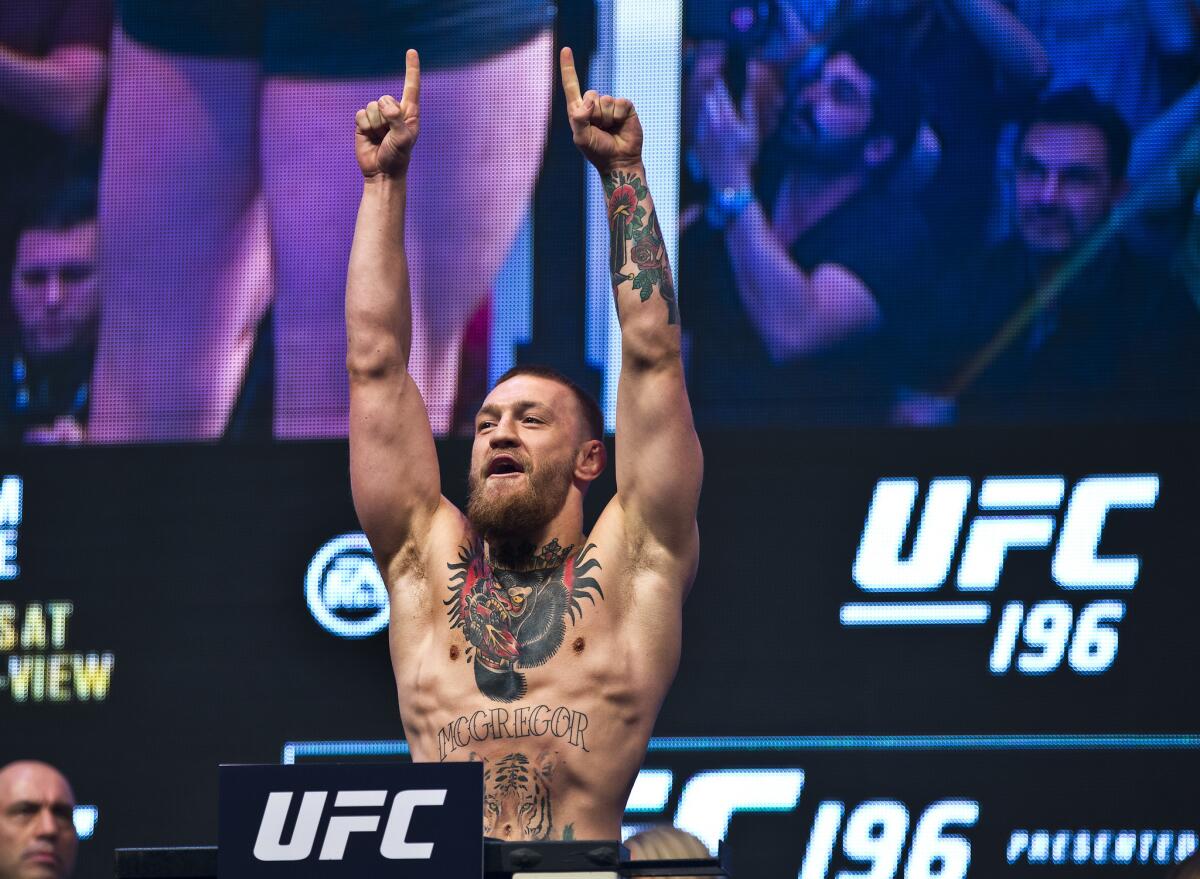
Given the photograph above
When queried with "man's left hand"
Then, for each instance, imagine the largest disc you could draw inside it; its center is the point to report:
(726, 141)
(606, 129)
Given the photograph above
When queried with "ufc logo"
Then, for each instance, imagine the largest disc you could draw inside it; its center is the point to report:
(1016, 512)
(394, 846)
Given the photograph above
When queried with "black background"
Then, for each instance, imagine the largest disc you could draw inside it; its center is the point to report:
(188, 563)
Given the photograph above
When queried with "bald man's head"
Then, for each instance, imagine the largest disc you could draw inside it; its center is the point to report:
(37, 830)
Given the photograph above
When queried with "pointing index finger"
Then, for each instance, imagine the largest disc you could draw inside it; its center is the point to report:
(412, 78)
(570, 79)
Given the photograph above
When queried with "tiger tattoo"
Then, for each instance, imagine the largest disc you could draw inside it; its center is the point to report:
(517, 796)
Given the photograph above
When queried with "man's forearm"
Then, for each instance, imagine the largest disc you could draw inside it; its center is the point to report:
(644, 290)
(774, 290)
(61, 91)
(378, 301)
(797, 313)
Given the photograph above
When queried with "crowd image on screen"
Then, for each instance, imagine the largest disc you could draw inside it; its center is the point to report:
(806, 262)
(55, 300)
(1125, 51)
(1119, 337)
(224, 225)
(53, 79)
(927, 213)
(253, 240)
(868, 193)
(53, 63)
(53, 75)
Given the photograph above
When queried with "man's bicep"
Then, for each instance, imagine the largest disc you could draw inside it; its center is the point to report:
(848, 301)
(659, 462)
(394, 473)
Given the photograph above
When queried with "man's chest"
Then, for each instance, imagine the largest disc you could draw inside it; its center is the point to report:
(514, 623)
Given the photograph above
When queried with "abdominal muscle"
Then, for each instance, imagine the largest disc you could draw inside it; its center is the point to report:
(558, 763)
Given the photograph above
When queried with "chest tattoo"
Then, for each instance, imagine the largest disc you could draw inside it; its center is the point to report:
(516, 620)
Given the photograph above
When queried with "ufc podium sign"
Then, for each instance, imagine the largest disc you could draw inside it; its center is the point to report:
(331, 821)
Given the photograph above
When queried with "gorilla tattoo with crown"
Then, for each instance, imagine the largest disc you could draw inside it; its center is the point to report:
(517, 619)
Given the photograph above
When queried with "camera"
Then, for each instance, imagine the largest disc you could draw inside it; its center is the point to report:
(743, 24)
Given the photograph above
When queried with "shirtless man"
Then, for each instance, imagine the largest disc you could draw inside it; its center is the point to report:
(516, 639)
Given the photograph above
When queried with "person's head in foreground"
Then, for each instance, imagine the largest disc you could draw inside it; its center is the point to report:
(55, 281)
(37, 830)
(665, 843)
(1070, 160)
(538, 446)
(860, 111)
(1188, 868)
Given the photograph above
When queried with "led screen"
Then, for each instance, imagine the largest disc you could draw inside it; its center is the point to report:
(178, 196)
(924, 214)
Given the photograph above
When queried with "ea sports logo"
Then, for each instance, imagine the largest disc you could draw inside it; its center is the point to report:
(344, 589)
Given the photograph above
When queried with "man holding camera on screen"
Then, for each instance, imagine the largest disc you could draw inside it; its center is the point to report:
(808, 265)
(516, 639)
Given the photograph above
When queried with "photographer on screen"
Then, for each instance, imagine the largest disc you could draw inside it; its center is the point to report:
(808, 265)
(975, 61)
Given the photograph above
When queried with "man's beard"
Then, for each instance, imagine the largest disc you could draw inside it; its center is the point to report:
(520, 511)
(803, 146)
(1070, 232)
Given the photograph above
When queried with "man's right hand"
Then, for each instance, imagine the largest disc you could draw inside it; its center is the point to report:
(386, 130)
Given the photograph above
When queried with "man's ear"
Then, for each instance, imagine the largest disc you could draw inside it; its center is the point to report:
(878, 150)
(591, 460)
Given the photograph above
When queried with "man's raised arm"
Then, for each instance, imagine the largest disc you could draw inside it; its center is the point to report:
(659, 464)
(393, 463)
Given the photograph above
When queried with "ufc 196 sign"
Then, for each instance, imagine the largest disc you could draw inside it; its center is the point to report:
(911, 587)
(333, 821)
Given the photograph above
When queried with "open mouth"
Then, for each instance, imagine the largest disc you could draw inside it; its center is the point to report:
(504, 465)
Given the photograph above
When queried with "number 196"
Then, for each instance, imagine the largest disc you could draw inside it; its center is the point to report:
(875, 833)
(1047, 634)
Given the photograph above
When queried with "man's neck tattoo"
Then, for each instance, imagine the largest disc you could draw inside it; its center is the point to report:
(521, 555)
